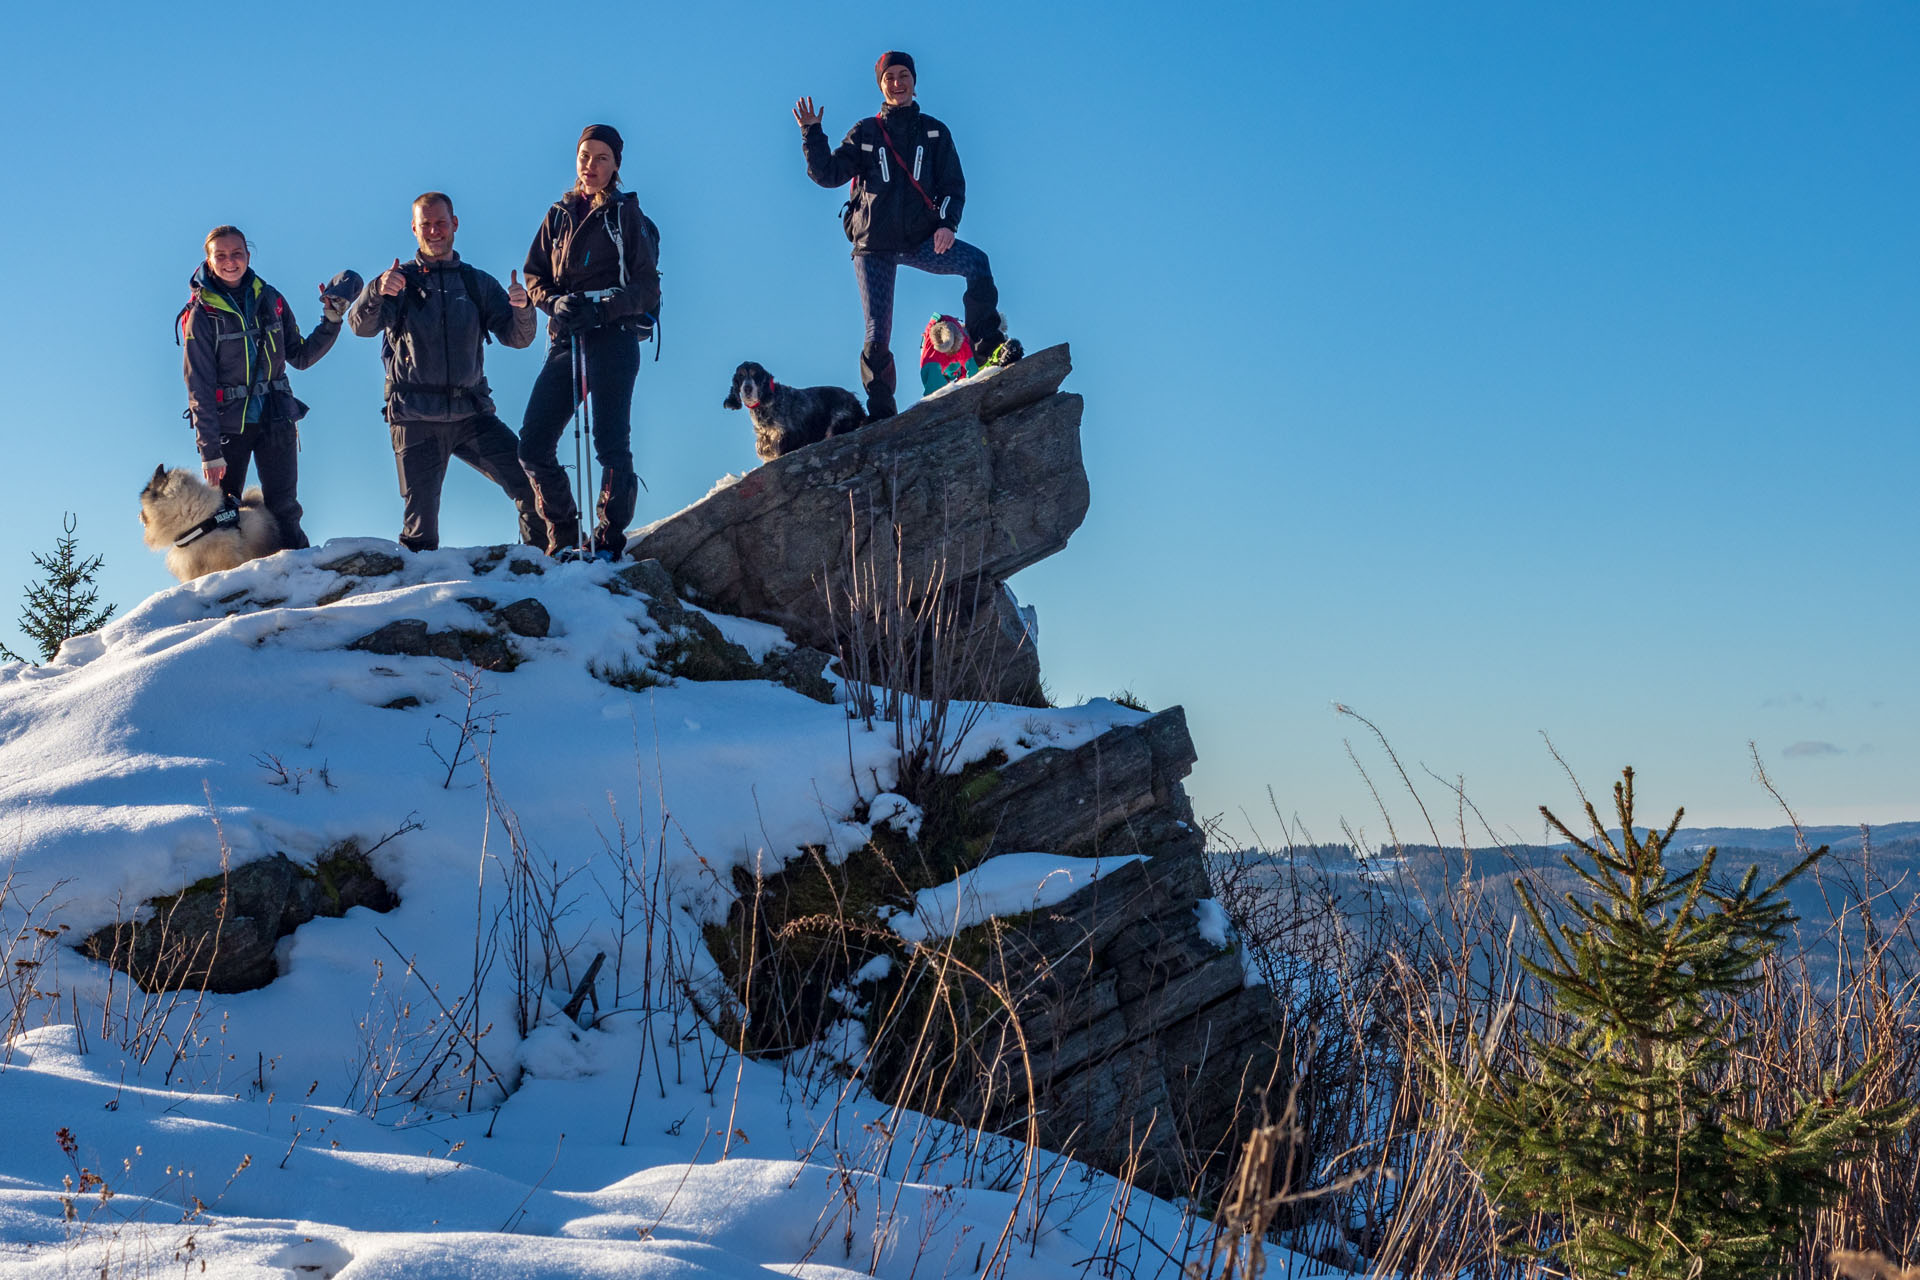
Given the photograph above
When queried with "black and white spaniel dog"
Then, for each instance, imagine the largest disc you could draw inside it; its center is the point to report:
(786, 418)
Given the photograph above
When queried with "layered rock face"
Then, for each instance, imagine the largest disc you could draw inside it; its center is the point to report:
(1147, 1053)
(959, 492)
(1145, 1044)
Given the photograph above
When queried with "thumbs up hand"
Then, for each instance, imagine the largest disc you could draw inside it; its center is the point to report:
(393, 281)
(516, 292)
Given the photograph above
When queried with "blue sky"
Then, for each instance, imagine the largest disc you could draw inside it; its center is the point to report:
(1492, 368)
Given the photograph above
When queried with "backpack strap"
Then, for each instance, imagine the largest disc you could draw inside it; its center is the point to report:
(616, 230)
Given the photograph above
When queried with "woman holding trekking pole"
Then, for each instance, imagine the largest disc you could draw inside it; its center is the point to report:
(594, 269)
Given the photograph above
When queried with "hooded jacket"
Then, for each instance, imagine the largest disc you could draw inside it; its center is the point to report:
(432, 337)
(573, 252)
(885, 213)
(237, 345)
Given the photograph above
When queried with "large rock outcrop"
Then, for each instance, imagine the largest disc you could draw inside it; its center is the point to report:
(963, 490)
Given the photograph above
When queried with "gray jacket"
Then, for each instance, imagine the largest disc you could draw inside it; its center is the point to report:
(432, 335)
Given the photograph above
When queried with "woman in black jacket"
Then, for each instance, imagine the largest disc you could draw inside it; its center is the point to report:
(902, 211)
(594, 269)
(240, 337)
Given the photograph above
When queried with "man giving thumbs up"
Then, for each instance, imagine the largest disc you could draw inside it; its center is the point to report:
(433, 315)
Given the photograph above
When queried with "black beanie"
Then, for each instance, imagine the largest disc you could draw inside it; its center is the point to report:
(893, 58)
(603, 133)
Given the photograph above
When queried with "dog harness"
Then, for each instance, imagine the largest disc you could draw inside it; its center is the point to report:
(225, 518)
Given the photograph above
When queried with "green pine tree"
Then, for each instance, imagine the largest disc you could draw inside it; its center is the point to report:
(62, 606)
(1617, 1132)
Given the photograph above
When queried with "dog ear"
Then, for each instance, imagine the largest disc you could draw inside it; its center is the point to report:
(159, 474)
(733, 393)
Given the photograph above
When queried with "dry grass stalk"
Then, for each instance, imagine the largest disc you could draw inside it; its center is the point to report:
(908, 656)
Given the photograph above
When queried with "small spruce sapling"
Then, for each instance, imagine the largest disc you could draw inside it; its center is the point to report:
(1620, 1129)
(62, 606)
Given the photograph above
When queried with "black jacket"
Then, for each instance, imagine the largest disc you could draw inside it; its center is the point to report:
(573, 252)
(885, 213)
(433, 334)
(237, 345)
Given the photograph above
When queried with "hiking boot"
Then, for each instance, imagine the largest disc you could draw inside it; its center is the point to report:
(562, 533)
(619, 492)
(533, 530)
(1006, 353)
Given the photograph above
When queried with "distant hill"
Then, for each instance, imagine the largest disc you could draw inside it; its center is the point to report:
(1781, 839)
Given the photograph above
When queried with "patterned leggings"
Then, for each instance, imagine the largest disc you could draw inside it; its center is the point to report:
(876, 271)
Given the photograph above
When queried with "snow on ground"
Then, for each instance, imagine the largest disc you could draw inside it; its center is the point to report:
(324, 1124)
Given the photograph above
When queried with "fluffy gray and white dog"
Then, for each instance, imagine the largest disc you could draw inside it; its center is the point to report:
(785, 418)
(187, 518)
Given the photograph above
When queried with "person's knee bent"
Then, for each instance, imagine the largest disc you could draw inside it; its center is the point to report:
(976, 265)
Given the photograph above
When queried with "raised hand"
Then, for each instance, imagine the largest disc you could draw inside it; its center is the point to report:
(516, 292)
(804, 113)
(393, 281)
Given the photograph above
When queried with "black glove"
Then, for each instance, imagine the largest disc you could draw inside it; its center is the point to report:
(575, 312)
(613, 304)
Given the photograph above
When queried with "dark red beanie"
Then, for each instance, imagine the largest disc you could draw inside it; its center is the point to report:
(603, 133)
(893, 58)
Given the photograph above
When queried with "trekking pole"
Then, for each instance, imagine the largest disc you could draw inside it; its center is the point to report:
(573, 351)
(584, 426)
(579, 410)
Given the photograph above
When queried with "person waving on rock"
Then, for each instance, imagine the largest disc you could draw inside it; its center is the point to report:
(904, 210)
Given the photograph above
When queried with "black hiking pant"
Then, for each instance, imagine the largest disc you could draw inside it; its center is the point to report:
(613, 362)
(274, 448)
(876, 272)
(421, 451)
